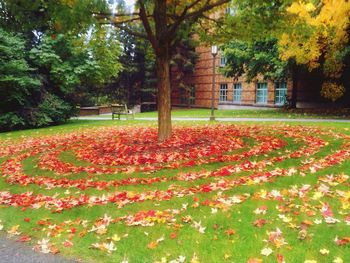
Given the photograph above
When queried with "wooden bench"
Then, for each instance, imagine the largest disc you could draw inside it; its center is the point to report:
(121, 109)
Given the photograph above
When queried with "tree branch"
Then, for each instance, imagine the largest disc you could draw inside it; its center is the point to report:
(180, 19)
(196, 14)
(126, 29)
(125, 21)
(219, 22)
(147, 26)
(107, 14)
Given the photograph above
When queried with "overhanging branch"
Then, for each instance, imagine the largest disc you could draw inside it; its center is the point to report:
(110, 14)
(125, 28)
(125, 21)
(193, 16)
(147, 26)
(196, 14)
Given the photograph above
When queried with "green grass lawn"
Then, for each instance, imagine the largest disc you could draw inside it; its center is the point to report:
(252, 113)
(230, 219)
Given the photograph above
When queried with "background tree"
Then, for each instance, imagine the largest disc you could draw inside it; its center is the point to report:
(17, 80)
(183, 64)
(137, 81)
(311, 36)
(255, 27)
(318, 38)
(49, 15)
(253, 59)
(59, 51)
(162, 21)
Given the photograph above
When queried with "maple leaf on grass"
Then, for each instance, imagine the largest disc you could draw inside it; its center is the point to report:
(24, 238)
(230, 232)
(67, 243)
(259, 223)
(342, 241)
(152, 245)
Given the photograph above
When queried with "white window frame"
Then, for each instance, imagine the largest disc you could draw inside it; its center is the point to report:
(281, 91)
(237, 92)
(223, 60)
(262, 93)
(230, 11)
(223, 92)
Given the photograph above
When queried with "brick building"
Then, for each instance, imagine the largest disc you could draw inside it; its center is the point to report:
(229, 92)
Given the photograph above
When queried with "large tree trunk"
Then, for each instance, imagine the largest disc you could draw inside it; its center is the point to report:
(164, 98)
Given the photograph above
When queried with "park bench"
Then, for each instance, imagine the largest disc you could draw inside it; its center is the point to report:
(121, 109)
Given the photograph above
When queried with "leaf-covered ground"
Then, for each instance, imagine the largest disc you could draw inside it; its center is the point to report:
(212, 193)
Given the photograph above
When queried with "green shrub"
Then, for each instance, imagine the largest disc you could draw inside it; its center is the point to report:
(11, 121)
(52, 110)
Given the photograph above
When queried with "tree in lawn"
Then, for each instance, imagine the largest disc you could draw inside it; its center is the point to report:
(165, 23)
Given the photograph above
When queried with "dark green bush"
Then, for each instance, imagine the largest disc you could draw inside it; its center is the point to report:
(11, 121)
(52, 110)
(55, 109)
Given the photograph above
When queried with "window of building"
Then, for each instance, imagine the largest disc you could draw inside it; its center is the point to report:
(223, 60)
(230, 11)
(223, 93)
(280, 92)
(237, 92)
(261, 93)
(193, 95)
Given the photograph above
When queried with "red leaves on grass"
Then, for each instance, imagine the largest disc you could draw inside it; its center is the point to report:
(24, 238)
(126, 151)
(230, 232)
(259, 223)
(342, 241)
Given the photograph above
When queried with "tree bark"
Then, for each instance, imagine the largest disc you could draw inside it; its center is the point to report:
(164, 98)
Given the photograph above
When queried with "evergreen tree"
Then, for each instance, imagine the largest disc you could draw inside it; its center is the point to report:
(17, 81)
(61, 52)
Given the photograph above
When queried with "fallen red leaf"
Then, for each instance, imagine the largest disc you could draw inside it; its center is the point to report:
(152, 245)
(230, 232)
(259, 223)
(280, 258)
(67, 243)
(24, 238)
(342, 241)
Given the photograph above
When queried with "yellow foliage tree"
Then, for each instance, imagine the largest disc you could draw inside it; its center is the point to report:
(316, 38)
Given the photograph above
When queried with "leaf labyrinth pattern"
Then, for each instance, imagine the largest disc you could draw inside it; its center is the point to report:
(125, 151)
